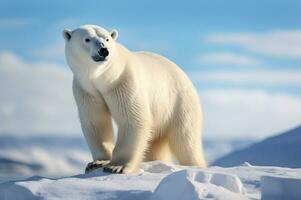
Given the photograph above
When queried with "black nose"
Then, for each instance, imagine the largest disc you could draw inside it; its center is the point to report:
(103, 52)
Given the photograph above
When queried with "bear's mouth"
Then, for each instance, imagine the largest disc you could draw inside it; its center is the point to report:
(98, 58)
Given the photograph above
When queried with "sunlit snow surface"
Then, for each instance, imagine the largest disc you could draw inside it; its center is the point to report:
(159, 181)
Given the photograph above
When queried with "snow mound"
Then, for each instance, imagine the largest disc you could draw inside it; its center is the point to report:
(158, 181)
(197, 184)
(277, 188)
(157, 167)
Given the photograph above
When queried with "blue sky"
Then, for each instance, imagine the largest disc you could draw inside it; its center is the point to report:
(178, 25)
(233, 50)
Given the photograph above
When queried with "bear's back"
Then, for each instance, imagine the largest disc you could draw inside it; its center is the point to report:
(163, 70)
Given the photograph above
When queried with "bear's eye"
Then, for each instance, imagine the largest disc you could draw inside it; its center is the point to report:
(87, 40)
(107, 39)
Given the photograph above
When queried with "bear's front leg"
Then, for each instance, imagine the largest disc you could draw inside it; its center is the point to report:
(129, 150)
(96, 124)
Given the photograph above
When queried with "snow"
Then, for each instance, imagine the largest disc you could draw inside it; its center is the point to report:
(276, 188)
(59, 157)
(158, 181)
(198, 184)
(217, 147)
(24, 157)
(281, 150)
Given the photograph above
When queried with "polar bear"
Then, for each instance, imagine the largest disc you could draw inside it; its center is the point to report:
(154, 104)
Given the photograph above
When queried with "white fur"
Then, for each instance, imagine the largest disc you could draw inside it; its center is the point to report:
(153, 102)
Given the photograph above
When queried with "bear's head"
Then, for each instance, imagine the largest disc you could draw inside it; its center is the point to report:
(90, 44)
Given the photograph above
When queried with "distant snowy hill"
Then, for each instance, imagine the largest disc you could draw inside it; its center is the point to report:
(283, 150)
(65, 156)
(45, 156)
(217, 147)
(159, 181)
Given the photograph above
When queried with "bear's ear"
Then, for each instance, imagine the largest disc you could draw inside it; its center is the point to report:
(67, 34)
(114, 34)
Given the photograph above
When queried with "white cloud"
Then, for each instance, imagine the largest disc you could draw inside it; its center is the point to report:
(239, 113)
(285, 44)
(36, 98)
(14, 23)
(265, 77)
(227, 58)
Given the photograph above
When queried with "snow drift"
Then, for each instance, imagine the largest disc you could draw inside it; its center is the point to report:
(158, 181)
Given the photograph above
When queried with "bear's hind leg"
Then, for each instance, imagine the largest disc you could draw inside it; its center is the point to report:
(159, 150)
(186, 147)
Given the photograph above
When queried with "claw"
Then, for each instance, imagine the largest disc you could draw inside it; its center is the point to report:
(95, 165)
(114, 169)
